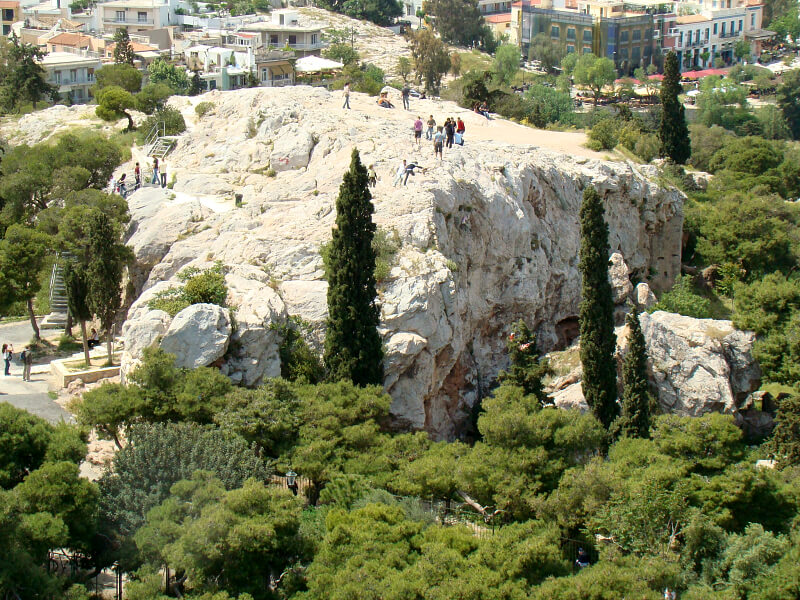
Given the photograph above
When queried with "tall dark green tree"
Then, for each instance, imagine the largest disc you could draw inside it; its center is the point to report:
(352, 345)
(76, 284)
(673, 131)
(528, 368)
(123, 51)
(635, 418)
(789, 100)
(196, 85)
(598, 341)
(104, 275)
(26, 79)
(785, 442)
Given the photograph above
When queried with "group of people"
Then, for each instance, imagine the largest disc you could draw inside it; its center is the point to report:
(26, 358)
(446, 135)
(406, 170)
(482, 109)
(120, 186)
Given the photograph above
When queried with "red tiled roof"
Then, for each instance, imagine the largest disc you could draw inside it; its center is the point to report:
(8, 4)
(75, 40)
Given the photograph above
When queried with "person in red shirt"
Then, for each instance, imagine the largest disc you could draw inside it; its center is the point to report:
(460, 128)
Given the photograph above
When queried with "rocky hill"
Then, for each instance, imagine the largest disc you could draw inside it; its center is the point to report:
(488, 236)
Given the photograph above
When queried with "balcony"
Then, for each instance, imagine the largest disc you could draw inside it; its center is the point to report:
(113, 20)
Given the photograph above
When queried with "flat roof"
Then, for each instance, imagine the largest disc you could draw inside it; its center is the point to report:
(688, 19)
(269, 26)
(133, 4)
(8, 4)
(504, 18)
(65, 58)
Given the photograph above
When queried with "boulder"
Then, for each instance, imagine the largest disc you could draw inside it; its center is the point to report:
(643, 297)
(570, 397)
(620, 277)
(144, 332)
(198, 335)
(699, 365)
(292, 149)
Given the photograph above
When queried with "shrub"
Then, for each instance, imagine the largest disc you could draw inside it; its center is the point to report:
(603, 136)
(174, 123)
(647, 147)
(200, 287)
(684, 300)
(203, 108)
(298, 359)
(385, 244)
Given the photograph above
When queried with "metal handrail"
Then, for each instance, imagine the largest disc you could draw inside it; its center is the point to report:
(158, 130)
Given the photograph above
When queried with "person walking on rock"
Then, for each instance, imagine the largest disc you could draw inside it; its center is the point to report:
(418, 131)
(431, 128)
(398, 176)
(450, 131)
(406, 92)
(438, 140)
(137, 177)
(163, 170)
(155, 181)
(346, 95)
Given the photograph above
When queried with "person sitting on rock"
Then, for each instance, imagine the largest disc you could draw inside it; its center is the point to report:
(94, 339)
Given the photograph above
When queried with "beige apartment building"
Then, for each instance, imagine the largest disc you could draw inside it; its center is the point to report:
(135, 15)
(283, 31)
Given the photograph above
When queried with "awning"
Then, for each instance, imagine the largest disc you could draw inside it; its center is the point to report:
(282, 69)
(759, 34)
(312, 64)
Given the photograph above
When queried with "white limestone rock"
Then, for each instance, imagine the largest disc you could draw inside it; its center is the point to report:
(198, 335)
(643, 297)
(699, 365)
(620, 277)
(143, 333)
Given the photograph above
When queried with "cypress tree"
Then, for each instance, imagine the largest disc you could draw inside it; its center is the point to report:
(527, 368)
(353, 348)
(673, 132)
(598, 341)
(104, 274)
(635, 419)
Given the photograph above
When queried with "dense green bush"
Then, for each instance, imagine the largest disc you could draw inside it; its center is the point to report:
(683, 299)
(604, 135)
(203, 108)
(174, 124)
(200, 287)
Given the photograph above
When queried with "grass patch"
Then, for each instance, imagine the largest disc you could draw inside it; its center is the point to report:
(52, 395)
(69, 344)
(475, 59)
(564, 362)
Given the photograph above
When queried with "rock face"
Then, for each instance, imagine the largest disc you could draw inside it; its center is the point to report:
(198, 335)
(488, 236)
(699, 365)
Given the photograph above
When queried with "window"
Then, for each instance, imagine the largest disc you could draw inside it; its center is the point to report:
(6, 29)
(753, 21)
(570, 48)
(141, 17)
(715, 29)
(212, 84)
(273, 39)
(733, 27)
(740, 25)
(8, 14)
(636, 54)
(292, 40)
(264, 74)
(688, 38)
(587, 49)
(555, 31)
(722, 30)
(314, 38)
(637, 35)
(623, 36)
(587, 35)
(73, 75)
(57, 77)
(570, 33)
(623, 54)
(90, 74)
(120, 16)
(706, 38)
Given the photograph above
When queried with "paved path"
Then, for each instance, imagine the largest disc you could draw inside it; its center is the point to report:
(29, 395)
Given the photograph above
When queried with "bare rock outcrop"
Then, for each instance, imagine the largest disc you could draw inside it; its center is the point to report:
(198, 335)
(699, 365)
(489, 235)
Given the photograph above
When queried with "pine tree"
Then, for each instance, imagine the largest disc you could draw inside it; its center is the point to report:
(598, 341)
(104, 275)
(123, 51)
(196, 85)
(635, 418)
(527, 368)
(353, 348)
(673, 132)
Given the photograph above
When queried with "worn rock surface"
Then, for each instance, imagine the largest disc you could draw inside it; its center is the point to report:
(487, 236)
(198, 335)
(699, 365)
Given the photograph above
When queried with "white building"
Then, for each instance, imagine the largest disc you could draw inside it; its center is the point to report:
(72, 73)
(284, 31)
(136, 15)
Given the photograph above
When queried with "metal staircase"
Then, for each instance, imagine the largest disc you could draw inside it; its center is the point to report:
(157, 143)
